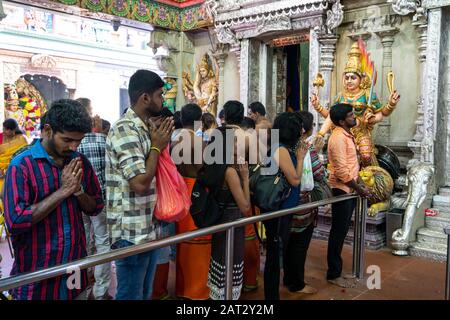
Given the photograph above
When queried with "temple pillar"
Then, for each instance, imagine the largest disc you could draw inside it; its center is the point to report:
(244, 71)
(387, 39)
(416, 142)
(431, 85)
(254, 71)
(177, 58)
(279, 82)
(326, 65)
(263, 80)
(250, 54)
(220, 57)
(314, 60)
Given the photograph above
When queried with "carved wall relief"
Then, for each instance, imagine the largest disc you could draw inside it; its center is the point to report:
(254, 71)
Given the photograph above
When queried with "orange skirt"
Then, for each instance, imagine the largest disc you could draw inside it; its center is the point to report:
(192, 263)
(251, 258)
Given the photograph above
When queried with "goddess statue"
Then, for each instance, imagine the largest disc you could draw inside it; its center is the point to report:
(204, 89)
(12, 105)
(358, 83)
(25, 104)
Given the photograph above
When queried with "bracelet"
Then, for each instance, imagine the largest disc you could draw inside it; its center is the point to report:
(320, 134)
(319, 108)
(390, 107)
(156, 149)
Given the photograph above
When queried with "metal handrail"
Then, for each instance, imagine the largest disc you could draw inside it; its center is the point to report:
(447, 269)
(90, 261)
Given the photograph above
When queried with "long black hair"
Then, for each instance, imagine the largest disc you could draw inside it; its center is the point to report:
(11, 124)
(290, 127)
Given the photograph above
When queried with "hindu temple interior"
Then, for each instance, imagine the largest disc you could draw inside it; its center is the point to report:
(280, 53)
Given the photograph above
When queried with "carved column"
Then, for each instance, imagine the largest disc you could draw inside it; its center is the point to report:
(244, 71)
(326, 66)
(415, 144)
(272, 111)
(314, 60)
(387, 39)
(431, 85)
(254, 71)
(236, 50)
(220, 57)
(263, 60)
(278, 83)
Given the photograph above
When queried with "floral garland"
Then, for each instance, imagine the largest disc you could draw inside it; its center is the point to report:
(32, 114)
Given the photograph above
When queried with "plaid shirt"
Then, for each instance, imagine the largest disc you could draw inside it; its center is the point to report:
(59, 238)
(130, 216)
(93, 147)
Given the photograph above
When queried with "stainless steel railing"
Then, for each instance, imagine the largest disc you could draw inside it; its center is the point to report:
(90, 261)
(447, 269)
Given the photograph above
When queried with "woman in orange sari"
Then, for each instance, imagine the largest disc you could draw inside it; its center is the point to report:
(193, 256)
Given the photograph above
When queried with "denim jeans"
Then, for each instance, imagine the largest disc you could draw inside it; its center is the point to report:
(167, 253)
(135, 274)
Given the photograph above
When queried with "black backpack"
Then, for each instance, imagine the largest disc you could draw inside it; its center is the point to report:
(205, 209)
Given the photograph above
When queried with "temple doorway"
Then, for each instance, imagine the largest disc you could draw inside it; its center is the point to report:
(29, 97)
(297, 76)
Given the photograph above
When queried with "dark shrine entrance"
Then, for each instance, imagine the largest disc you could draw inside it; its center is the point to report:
(297, 76)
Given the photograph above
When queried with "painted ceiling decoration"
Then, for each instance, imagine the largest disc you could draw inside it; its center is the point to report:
(181, 15)
(288, 41)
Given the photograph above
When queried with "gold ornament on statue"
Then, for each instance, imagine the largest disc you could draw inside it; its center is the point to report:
(390, 81)
(318, 82)
(381, 185)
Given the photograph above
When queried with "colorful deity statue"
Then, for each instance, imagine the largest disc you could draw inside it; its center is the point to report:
(204, 89)
(358, 90)
(170, 93)
(12, 105)
(23, 102)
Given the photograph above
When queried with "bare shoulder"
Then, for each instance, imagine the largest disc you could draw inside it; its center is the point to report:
(264, 124)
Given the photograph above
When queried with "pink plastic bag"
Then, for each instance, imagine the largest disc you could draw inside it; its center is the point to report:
(172, 195)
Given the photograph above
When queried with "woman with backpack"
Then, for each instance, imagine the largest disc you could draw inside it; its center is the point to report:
(290, 161)
(233, 198)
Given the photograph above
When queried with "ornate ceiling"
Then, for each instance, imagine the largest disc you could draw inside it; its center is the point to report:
(181, 15)
(173, 14)
(181, 3)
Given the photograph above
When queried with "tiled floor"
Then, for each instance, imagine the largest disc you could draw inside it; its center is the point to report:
(402, 278)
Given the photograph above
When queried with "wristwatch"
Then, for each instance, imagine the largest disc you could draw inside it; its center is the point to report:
(80, 192)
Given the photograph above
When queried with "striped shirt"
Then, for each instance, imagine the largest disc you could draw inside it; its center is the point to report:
(59, 238)
(129, 216)
(93, 147)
